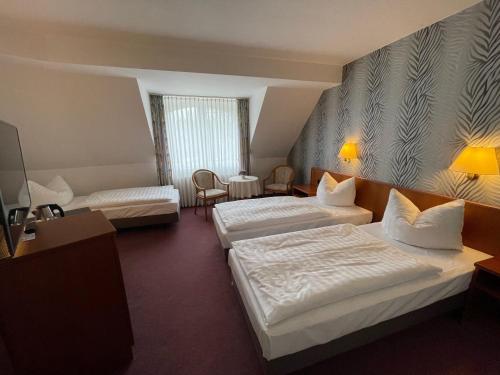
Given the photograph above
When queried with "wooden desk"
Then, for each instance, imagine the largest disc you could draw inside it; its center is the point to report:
(63, 308)
(304, 190)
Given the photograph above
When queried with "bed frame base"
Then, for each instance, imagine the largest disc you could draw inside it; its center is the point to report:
(131, 222)
(318, 353)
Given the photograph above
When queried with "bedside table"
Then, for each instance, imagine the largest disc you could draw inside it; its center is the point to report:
(485, 281)
(486, 277)
(304, 190)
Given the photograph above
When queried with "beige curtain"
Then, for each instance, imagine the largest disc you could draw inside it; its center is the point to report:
(163, 164)
(244, 131)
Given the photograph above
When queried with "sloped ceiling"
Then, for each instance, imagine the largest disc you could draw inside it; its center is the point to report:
(325, 31)
(282, 116)
(70, 120)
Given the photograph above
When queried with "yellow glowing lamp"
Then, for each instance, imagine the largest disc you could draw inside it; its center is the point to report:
(349, 151)
(476, 161)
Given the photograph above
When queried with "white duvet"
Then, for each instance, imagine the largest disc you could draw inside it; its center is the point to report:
(296, 272)
(130, 197)
(255, 213)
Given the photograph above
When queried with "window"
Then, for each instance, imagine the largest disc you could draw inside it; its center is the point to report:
(201, 133)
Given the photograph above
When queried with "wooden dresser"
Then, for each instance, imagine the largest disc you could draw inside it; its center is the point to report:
(63, 307)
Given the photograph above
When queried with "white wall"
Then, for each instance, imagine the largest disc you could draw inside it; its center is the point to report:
(85, 180)
(91, 129)
(282, 117)
(254, 106)
(262, 167)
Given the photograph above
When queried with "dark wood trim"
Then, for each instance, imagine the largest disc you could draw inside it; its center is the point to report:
(307, 190)
(142, 221)
(480, 221)
(318, 353)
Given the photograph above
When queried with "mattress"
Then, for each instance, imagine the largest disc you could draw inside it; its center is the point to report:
(339, 215)
(329, 322)
(130, 211)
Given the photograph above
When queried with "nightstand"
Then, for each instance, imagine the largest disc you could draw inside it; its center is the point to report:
(304, 190)
(485, 282)
(486, 277)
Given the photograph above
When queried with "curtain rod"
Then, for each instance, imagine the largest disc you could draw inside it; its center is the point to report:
(200, 96)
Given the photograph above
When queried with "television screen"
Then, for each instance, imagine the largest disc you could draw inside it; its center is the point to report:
(14, 195)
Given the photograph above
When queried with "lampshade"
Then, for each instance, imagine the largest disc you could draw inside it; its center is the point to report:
(477, 161)
(349, 151)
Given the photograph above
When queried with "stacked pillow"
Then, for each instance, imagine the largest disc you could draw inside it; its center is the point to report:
(57, 191)
(335, 193)
(438, 227)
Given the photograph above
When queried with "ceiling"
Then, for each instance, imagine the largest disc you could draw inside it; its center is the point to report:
(324, 31)
(179, 83)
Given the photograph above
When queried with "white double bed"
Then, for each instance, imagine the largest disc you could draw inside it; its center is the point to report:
(133, 203)
(254, 218)
(418, 278)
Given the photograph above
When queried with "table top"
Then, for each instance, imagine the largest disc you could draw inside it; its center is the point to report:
(243, 178)
(307, 189)
(491, 265)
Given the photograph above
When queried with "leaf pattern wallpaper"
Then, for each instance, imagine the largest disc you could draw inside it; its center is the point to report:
(412, 106)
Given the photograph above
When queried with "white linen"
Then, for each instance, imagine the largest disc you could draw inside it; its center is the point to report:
(122, 212)
(254, 213)
(335, 320)
(439, 227)
(244, 186)
(335, 193)
(57, 191)
(296, 272)
(131, 196)
(337, 215)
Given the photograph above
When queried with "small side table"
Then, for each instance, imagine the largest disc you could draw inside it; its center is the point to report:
(304, 190)
(487, 277)
(244, 187)
(485, 280)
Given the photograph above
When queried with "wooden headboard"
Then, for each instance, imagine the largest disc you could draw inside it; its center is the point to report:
(481, 222)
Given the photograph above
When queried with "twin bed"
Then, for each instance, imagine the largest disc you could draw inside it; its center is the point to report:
(134, 206)
(255, 218)
(318, 290)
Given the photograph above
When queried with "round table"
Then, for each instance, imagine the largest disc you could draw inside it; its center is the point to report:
(244, 186)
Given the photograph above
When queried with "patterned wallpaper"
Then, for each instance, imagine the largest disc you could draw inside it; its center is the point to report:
(412, 106)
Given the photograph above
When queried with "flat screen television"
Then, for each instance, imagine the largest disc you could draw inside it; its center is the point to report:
(15, 200)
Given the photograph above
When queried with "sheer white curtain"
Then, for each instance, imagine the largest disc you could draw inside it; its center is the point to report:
(201, 133)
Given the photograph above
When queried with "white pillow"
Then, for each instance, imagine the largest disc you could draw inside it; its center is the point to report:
(335, 193)
(57, 191)
(439, 227)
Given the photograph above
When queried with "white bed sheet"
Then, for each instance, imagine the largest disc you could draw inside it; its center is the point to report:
(136, 210)
(335, 320)
(339, 215)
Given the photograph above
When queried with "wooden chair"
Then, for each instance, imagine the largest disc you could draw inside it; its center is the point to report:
(204, 183)
(280, 180)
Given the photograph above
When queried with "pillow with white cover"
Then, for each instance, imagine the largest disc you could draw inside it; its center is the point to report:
(335, 193)
(57, 191)
(439, 227)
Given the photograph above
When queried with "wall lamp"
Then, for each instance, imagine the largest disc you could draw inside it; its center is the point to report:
(476, 161)
(349, 151)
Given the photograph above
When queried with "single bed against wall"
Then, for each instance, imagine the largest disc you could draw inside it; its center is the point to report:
(254, 218)
(318, 334)
(133, 207)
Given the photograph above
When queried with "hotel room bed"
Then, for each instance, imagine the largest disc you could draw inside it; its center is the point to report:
(133, 207)
(298, 340)
(334, 215)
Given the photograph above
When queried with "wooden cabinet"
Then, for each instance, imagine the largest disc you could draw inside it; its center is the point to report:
(63, 307)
